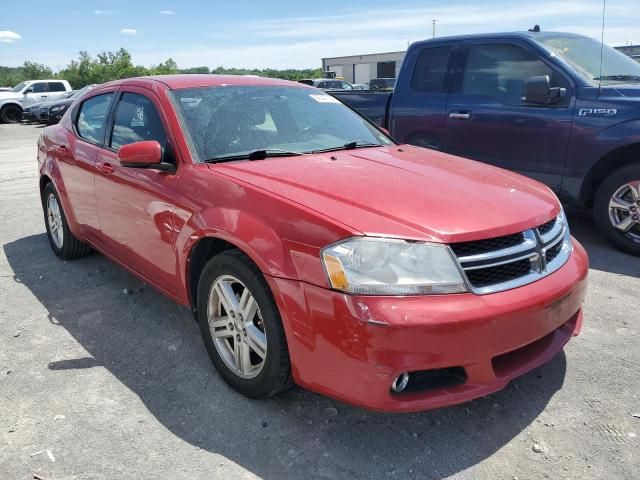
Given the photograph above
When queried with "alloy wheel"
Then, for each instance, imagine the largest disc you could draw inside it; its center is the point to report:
(237, 327)
(624, 210)
(54, 218)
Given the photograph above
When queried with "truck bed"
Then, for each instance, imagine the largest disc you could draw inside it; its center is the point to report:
(372, 104)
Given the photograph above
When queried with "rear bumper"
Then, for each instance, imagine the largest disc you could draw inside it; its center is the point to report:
(352, 348)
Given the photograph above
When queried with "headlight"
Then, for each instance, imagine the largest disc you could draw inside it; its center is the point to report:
(379, 266)
(57, 108)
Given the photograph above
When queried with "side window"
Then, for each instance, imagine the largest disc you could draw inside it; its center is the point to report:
(346, 86)
(500, 71)
(92, 118)
(56, 87)
(431, 68)
(322, 85)
(136, 120)
(39, 87)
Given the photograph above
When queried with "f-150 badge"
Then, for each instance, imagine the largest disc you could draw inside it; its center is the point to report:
(598, 112)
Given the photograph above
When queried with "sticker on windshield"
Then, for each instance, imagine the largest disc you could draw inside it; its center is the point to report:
(324, 98)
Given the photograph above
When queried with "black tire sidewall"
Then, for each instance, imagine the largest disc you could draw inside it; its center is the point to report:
(601, 208)
(3, 114)
(275, 374)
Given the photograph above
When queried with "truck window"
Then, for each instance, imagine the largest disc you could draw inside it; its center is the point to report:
(56, 87)
(39, 87)
(430, 70)
(499, 70)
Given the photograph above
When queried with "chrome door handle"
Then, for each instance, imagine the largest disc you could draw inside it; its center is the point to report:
(460, 115)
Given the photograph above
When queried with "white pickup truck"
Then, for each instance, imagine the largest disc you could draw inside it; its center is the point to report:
(26, 93)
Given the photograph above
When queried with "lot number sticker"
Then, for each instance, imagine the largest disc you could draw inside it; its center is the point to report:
(324, 98)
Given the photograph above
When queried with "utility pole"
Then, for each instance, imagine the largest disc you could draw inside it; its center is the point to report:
(434, 27)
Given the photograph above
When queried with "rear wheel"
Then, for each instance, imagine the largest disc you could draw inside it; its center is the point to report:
(11, 114)
(617, 209)
(241, 326)
(62, 241)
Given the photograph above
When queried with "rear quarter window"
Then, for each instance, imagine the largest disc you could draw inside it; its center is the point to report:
(431, 69)
(57, 87)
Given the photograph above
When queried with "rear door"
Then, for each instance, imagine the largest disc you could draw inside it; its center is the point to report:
(418, 106)
(56, 90)
(135, 205)
(76, 154)
(488, 121)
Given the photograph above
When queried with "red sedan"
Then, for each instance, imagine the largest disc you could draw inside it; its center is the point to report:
(310, 246)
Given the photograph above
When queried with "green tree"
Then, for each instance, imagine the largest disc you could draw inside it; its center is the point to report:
(36, 71)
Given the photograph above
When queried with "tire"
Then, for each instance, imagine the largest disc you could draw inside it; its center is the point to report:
(258, 377)
(62, 241)
(11, 114)
(618, 200)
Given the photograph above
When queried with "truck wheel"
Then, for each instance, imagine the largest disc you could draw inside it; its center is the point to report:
(241, 326)
(62, 241)
(617, 209)
(11, 114)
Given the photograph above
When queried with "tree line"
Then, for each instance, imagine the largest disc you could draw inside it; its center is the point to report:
(106, 66)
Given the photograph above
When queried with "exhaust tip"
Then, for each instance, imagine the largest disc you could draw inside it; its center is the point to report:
(400, 383)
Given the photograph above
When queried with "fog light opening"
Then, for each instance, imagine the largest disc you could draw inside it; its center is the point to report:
(400, 383)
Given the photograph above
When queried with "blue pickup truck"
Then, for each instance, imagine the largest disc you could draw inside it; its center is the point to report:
(538, 103)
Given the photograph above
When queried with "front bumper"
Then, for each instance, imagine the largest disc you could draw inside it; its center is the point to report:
(353, 347)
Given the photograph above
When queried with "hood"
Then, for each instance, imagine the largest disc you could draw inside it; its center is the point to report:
(404, 192)
(5, 95)
(627, 91)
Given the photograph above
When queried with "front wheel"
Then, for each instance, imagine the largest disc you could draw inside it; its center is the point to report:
(617, 209)
(11, 114)
(241, 326)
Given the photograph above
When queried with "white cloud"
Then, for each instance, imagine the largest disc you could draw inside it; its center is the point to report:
(129, 31)
(105, 12)
(7, 36)
(167, 12)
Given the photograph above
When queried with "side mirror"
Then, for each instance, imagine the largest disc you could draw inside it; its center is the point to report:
(538, 90)
(146, 154)
(28, 90)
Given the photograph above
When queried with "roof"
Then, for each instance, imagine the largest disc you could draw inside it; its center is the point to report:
(202, 80)
(533, 35)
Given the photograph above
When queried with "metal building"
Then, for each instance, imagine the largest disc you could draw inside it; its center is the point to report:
(631, 50)
(362, 68)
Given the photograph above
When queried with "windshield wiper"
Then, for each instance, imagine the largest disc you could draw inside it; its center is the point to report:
(349, 146)
(621, 78)
(255, 155)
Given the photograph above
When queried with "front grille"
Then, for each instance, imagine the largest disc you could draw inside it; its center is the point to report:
(496, 264)
(546, 227)
(553, 252)
(464, 249)
(484, 277)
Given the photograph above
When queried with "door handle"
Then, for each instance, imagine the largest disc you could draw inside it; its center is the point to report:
(43, 96)
(460, 115)
(105, 167)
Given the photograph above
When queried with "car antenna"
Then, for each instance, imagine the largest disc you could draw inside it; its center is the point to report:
(536, 28)
(604, 7)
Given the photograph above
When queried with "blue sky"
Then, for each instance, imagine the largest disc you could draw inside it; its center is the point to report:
(278, 33)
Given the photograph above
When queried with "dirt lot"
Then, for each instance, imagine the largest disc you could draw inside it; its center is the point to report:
(98, 383)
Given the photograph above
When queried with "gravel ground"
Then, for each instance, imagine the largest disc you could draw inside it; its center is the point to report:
(97, 383)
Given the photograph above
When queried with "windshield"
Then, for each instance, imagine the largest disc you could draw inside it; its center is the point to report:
(19, 87)
(236, 120)
(583, 54)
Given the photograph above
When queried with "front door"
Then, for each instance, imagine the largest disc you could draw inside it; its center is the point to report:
(135, 205)
(488, 121)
